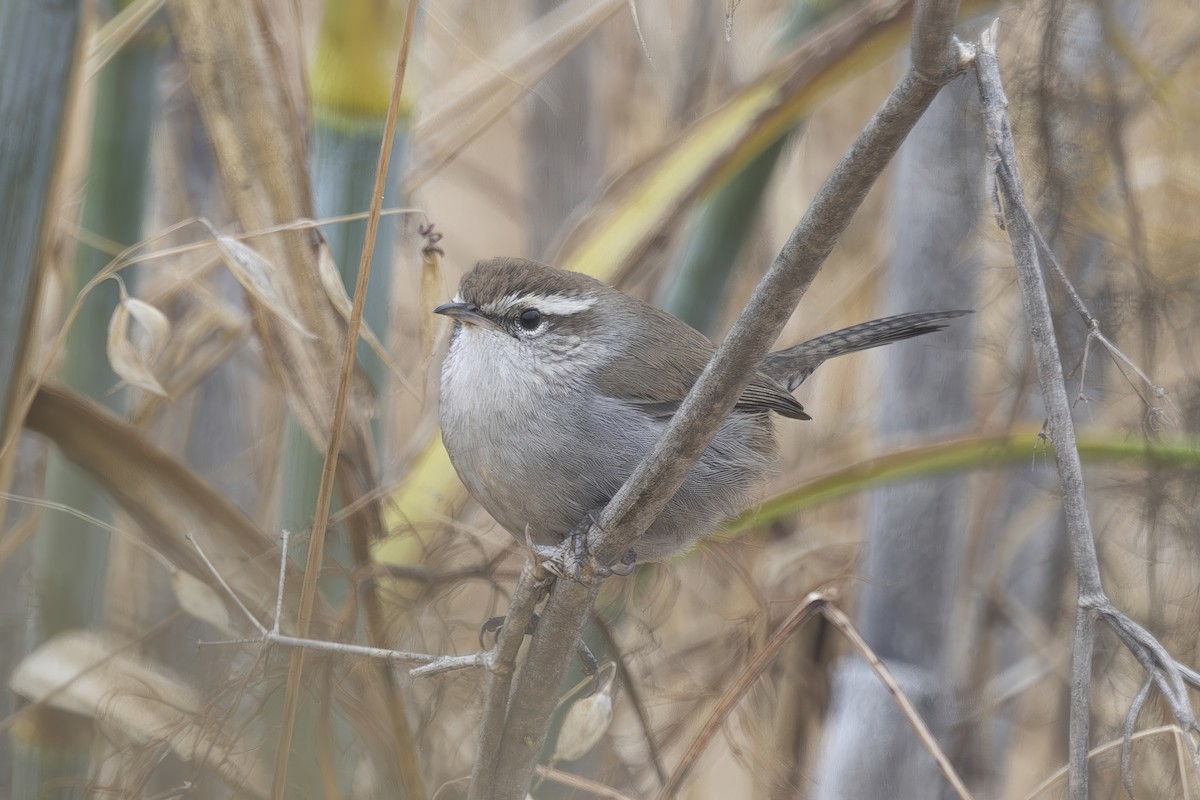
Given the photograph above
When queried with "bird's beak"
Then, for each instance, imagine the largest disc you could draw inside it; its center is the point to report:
(463, 312)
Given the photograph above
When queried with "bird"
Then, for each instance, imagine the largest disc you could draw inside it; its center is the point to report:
(555, 385)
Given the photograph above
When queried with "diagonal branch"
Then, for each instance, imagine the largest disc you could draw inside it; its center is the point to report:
(712, 398)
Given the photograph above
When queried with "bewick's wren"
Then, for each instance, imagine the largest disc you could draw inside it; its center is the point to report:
(556, 385)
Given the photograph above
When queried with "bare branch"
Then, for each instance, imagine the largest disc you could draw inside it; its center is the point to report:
(432, 664)
(1081, 684)
(500, 676)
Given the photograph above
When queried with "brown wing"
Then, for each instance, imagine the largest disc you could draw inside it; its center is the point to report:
(657, 383)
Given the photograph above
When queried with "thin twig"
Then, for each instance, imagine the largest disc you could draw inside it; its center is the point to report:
(283, 558)
(228, 590)
(839, 620)
(431, 664)
(626, 681)
(637, 26)
(441, 664)
(809, 608)
(1093, 324)
(582, 784)
(1135, 708)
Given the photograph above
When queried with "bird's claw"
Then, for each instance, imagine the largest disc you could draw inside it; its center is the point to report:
(495, 624)
(573, 558)
(626, 565)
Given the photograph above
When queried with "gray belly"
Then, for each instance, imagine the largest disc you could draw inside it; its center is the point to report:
(543, 469)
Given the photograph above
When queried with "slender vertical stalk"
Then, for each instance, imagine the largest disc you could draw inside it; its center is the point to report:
(414, 787)
(1036, 304)
(351, 83)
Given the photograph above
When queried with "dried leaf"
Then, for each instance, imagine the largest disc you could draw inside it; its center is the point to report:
(153, 322)
(131, 357)
(254, 273)
(203, 337)
(585, 723)
(335, 290)
(84, 673)
(168, 501)
(200, 601)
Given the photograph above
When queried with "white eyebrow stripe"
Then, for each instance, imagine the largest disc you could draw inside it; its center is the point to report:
(557, 304)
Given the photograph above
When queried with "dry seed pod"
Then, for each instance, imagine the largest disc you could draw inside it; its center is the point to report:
(586, 722)
(131, 356)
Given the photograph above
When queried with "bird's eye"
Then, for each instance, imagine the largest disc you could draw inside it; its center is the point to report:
(530, 319)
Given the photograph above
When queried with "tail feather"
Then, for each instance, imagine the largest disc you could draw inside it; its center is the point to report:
(791, 366)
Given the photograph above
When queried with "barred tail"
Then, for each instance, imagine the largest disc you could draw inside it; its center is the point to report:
(791, 366)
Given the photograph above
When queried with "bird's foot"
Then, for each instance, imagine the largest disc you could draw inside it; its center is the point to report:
(495, 624)
(574, 559)
(626, 565)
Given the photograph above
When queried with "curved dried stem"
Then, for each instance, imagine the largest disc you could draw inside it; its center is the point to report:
(839, 620)
(813, 604)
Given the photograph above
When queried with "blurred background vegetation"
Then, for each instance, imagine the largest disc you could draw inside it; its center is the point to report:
(183, 185)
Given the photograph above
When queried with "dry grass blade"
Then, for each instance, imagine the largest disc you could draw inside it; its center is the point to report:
(482, 95)
(119, 31)
(581, 784)
(257, 277)
(163, 496)
(85, 674)
(331, 281)
(258, 141)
